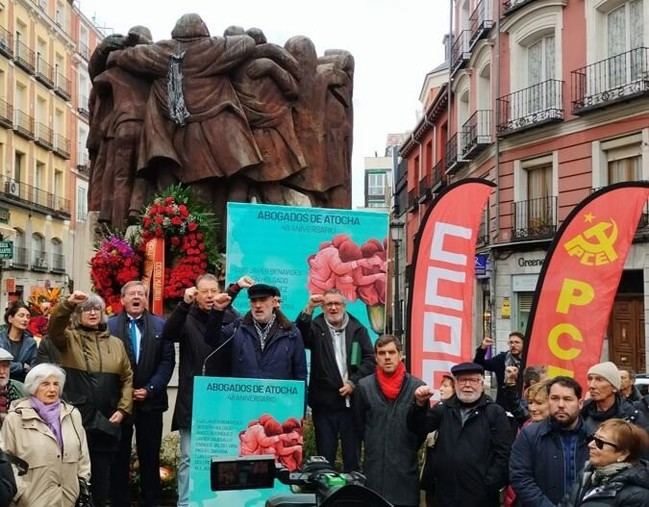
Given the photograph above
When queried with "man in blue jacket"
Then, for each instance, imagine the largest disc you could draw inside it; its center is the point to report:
(152, 361)
(548, 456)
(264, 343)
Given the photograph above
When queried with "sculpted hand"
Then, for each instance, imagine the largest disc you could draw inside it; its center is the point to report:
(117, 417)
(222, 301)
(77, 297)
(486, 343)
(245, 281)
(422, 395)
(190, 295)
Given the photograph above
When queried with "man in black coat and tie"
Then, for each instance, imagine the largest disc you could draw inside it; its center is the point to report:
(152, 360)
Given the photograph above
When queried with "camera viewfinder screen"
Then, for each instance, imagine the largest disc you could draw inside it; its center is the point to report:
(242, 473)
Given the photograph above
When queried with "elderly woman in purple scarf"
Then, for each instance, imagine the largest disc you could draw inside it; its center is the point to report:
(47, 433)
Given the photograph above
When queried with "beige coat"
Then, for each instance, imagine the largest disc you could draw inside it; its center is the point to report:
(53, 476)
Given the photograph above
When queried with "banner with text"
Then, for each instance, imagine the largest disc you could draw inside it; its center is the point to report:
(441, 295)
(305, 251)
(235, 417)
(579, 279)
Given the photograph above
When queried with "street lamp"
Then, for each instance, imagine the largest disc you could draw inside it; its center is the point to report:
(396, 234)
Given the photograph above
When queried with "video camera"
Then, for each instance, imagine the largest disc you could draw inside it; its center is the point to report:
(317, 484)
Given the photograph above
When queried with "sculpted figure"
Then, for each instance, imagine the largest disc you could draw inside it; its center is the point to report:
(118, 113)
(194, 125)
(323, 122)
(266, 88)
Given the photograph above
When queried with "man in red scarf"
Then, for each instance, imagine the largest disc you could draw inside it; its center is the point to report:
(381, 407)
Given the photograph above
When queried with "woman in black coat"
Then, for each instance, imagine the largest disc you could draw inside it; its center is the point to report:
(615, 475)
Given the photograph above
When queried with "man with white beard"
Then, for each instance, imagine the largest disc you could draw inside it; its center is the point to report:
(10, 390)
(470, 458)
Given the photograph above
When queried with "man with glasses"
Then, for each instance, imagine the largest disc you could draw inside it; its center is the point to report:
(186, 326)
(469, 460)
(547, 457)
(341, 355)
(152, 361)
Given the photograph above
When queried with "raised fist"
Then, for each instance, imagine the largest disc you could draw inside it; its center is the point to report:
(190, 295)
(77, 297)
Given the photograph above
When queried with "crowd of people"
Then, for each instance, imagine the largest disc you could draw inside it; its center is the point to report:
(71, 409)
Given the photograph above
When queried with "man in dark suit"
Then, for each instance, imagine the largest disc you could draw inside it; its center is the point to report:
(341, 355)
(152, 360)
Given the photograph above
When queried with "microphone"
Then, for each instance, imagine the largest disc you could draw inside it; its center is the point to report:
(236, 328)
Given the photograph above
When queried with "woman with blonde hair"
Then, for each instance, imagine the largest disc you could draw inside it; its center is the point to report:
(615, 474)
(47, 433)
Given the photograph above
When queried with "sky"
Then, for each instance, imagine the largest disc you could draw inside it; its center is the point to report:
(394, 43)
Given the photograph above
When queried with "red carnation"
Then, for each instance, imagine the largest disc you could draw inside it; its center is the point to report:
(192, 226)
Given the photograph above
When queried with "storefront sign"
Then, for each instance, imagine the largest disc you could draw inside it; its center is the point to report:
(524, 283)
(6, 249)
(506, 308)
(481, 265)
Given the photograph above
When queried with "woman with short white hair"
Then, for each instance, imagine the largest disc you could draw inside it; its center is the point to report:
(47, 433)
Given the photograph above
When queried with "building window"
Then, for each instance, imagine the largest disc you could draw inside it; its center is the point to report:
(57, 255)
(535, 199)
(541, 69)
(82, 203)
(39, 254)
(624, 32)
(376, 184)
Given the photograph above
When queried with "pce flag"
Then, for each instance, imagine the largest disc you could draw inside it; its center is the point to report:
(577, 285)
(441, 295)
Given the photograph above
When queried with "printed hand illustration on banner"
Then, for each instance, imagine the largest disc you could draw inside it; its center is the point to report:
(267, 436)
(357, 272)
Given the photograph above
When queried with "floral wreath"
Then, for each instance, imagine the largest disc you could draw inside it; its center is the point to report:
(188, 231)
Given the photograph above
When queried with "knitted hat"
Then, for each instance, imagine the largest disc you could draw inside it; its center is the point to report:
(608, 371)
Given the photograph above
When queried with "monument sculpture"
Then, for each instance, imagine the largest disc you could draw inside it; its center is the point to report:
(235, 118)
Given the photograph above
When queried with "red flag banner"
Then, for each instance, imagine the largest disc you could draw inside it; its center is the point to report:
(441, 294)
(153, 277)
(579, 279)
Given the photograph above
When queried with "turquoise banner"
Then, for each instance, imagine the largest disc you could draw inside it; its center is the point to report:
(243, 417)
(305, 251)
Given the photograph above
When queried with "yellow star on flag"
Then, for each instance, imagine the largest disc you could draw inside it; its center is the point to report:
(589, 217)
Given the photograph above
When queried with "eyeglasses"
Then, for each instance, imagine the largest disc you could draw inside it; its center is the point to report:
(599, 443)
(92, 309)
(333, 304)
(468, 380)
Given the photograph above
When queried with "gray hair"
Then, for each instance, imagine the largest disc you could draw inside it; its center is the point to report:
(133, 283)
(93, 301)
(336, 292)
(42, 371)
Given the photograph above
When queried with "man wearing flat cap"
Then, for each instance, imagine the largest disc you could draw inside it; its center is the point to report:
(10, 390)
(264, 343)
(606, 401)
(471, 455)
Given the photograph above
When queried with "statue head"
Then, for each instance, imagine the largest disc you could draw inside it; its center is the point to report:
(190, 26)
(258, 35)
(233, 30)
(303, 50)
(140, 35)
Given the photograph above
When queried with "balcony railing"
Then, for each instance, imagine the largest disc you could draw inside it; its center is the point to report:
(43, 136)
(476, 133)
(23, 124)
(62, 86)
(39, 260)
(62, 146)
(413, 201)
(453, 161)
(44, 71)
(83, 50)
(437, 175)
(460, 51)
(83, 165)
(6, 114)
(481, 21)
(530, 107)
(58, 263)
(534, 219)
(6, 43)
(511, 5)
(24, 57)
(83, 106)
(20, 257)
(620, 77)
(425, 189)
(22, 192)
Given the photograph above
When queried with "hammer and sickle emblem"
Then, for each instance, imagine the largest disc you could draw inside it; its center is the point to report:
(595, 243)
